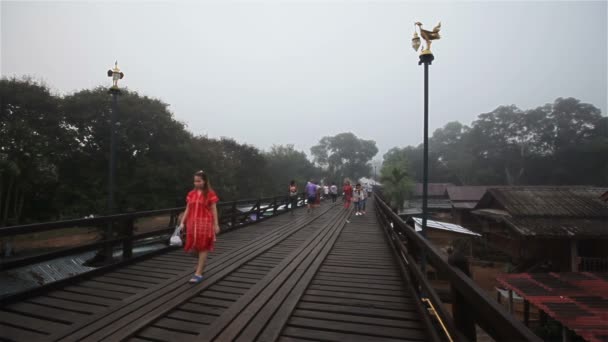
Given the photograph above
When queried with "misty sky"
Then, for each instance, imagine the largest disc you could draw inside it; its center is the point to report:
(291, 72)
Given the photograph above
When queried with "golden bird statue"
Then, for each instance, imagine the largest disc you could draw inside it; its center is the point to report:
(428, 37)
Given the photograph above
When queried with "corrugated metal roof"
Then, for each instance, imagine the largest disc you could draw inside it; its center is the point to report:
(578, 300)
(443, 226)
(471, 193)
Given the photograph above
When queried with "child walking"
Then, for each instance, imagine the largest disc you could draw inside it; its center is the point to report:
(293, 196)
(201, 222)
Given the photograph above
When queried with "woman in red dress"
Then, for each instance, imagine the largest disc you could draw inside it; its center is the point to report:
(201, 222)
(348, 193)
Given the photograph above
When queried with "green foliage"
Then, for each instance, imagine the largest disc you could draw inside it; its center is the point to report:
(54, 156)
(344, 155)
(286, 164)
(565, 142)
(395, 177)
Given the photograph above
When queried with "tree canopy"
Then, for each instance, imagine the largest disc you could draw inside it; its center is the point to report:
(54, 156)
(344, 155)
(395, 177)
(562, 143)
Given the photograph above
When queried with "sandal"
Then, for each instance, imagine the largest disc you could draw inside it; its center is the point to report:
(196, 279)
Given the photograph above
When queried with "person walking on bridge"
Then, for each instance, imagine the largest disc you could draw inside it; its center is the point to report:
(293, 196)
(347, 189)
(333, 190)
(311, 194)
(201, 222)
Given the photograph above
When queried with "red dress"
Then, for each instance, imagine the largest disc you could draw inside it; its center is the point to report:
(348, 194)
(200, 235)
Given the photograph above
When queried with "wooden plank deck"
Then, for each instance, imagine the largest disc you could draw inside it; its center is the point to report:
(309, 277)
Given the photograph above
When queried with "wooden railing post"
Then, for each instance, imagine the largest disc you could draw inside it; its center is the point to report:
(127, 244)
(463, 320)
(108, 248)
(274, 206)
(257, 210)
(233, 215)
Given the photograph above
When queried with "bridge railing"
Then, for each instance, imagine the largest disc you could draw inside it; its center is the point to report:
(470, 304)
(119, 230)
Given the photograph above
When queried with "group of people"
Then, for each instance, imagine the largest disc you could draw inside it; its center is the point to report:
(200, 224)
(315, 193)
(357, 195)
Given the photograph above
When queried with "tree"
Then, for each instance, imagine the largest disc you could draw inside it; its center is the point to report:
(284, 164)
(395, 177)
(344, 155)
(33, 137)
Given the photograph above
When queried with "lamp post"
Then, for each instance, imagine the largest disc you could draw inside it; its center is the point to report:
(116, 75)
(426, 58)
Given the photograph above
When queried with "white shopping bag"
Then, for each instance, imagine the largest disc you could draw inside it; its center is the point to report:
(176, 239)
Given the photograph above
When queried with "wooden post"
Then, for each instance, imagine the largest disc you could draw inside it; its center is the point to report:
(127, 244)
(233, 215)
(257, 210)
(566, 337)
(463, 320)
(574, 255)
(510, 301)
(275, 205)
(526, 312)
(498, 297)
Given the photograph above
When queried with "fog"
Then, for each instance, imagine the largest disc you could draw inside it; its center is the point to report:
(269, 73)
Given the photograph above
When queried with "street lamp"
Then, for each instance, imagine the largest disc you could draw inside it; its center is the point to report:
(116, 75)
(426, 58)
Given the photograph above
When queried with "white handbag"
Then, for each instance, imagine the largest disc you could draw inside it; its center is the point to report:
(176, 239)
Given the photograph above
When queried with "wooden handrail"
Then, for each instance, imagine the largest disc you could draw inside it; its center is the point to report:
(488, 314)
(234, 219)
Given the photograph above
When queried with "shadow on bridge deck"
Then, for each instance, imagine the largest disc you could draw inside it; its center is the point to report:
(308, 277)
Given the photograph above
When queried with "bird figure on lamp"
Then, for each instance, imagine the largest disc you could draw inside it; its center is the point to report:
(116, 75)
(428, 37)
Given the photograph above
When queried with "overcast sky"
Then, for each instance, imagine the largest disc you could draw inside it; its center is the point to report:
(277, 72)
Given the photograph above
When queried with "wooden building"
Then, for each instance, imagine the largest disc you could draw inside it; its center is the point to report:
(558, 226)
(463, 199)
(438, 201)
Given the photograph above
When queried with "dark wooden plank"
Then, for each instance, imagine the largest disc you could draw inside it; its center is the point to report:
(243, 314)
(346, 283)
(360, 296)
(234, 284)
(203, 309)
(320, 335)
(124, 282)
(356, 328)
(222, 303)
(358, 310)
(46, 312)
(178, 325)
(332, 316)
(134, 278)
(108, 287)
(96, 292)
(156, 276)
(278, 316)
(66, 304)
(160, 334)
(364, 290)
(15, 334)
(127, 320)
(77, 297)
(27, 322)
(191, 316)
(220, 295)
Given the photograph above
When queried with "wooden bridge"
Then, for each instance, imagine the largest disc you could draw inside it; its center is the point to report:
(324, 276)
